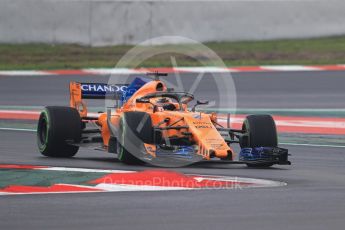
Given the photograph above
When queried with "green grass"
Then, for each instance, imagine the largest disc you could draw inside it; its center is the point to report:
(278, 52)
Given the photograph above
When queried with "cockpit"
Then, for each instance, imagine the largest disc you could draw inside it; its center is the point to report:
(171, 101)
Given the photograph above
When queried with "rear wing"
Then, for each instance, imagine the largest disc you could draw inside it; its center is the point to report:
(120, 92)
(80, 91)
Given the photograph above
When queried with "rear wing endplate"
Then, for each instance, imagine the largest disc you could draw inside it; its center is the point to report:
(80, 91)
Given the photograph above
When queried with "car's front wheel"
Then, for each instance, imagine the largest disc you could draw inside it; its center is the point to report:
(260, 131)
(135, 129)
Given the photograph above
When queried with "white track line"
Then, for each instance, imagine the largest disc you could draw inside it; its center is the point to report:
(135, 188)
(24, 73)
(17, 129)
(65, 169)
(47, 193)
(313, 145)
(290, 68)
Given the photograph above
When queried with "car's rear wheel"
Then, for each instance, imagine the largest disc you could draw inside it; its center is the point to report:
(260, 131)
(56, 126)
(135, 129)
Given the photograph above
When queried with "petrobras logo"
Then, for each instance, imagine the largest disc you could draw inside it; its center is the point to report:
(102, 88)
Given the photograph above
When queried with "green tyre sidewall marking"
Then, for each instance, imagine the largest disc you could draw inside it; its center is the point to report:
(120, 156)
(247, 131)
(43, 147)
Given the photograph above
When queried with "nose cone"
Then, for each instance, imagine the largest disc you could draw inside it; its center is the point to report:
(211, 143)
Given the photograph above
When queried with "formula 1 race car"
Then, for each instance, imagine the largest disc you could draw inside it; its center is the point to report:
(152, 123)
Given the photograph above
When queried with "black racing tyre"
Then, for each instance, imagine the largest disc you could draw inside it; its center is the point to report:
(261, 132)
(56, 125)
(112, 145)
(135, 129)
(260, 165)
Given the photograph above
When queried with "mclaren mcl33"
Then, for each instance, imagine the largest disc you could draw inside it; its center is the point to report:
(152, 123)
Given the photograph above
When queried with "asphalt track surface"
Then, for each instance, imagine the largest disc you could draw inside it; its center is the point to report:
(310, 89)
(314, 197)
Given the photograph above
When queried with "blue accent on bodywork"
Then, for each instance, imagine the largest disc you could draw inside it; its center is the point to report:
(254, 154)
(136, 84)
(182, 152)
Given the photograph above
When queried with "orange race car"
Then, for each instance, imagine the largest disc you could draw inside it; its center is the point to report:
(151, 123)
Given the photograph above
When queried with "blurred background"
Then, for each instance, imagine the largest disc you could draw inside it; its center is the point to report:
(96, 33)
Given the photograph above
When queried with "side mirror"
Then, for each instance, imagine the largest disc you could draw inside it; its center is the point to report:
(142, 100)
(199, 102)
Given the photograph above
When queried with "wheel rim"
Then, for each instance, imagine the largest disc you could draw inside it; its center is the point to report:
(120, 142)
(43, 130)
(245, 139)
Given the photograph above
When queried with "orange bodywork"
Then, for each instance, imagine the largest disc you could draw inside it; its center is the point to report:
(201, 126)
(76, 98)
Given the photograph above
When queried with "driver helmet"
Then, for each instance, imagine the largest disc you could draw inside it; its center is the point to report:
(166, 103)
